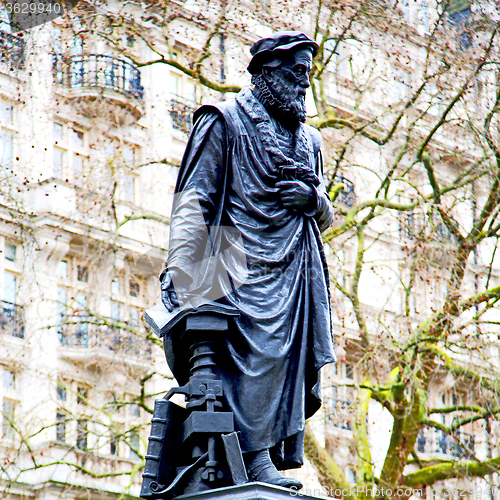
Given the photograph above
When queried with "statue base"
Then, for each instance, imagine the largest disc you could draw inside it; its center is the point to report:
(249, 491)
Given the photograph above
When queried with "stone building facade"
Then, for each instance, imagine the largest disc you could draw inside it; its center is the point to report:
(91, 136)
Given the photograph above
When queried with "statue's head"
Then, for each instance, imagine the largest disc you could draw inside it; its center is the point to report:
(280, 68)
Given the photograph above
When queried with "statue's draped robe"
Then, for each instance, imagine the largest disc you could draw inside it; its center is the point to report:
(274, 272)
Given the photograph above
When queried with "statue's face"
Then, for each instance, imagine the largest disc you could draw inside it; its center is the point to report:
(289, 81)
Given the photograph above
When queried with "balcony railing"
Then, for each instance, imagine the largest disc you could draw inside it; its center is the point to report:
(415, 225)
(11, 319)
(99, 71)
(116, 340)
(436, 441)
(339, 414)
(181, 110)
(347, 196)
(11, 50)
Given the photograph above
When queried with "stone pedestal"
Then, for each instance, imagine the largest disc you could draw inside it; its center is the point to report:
(249, 491)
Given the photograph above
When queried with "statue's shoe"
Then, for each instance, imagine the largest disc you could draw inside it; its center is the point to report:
(261, 469)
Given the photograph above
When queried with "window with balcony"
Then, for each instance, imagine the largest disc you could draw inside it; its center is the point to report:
(61, 313)
(340, 398)
(425, 225)
(347, 194)
(11, 46)
(459, 15)
(11, 312)
(182, 102)
(81, 314)
(72, 307)
(459, 445)
(338, 407)
(75, 66)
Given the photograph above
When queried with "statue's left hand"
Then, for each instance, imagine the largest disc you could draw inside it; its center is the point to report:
(168, 294)
(297, 195)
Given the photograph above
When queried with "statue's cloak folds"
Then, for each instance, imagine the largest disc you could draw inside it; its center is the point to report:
(236, 244)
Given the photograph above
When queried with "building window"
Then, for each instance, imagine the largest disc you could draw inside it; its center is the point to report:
(61, 427)
(134, 445)
(113, 446)
(6, 112)
(61, 313)
(61, 392)
(350, 476)
(115, 287)
(10, 288)
(134, 410)
(9, 379)
(81, 395)
(134, 317)
(58, 162)
(6, 149)
(134, 288)
(115, 311)
(8, 409)
(182, 102)
(11, 314)
(404, 5)
(58, 131)
(62, 269)
(129, 188)
(128, 154)
(77, 165)
(82, 273)
(82, 435)
(77, 137)
(70, 151)
(10, 252)
(6, 135)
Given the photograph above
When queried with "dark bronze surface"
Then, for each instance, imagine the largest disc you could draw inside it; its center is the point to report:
(245, 246)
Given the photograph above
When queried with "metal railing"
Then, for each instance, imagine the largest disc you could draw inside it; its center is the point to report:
(11, 50)
(12, 319)
(347, 196)
(339, 413)
(181, 111)
(417, 225)
(117, 340)
(460, 445)
(98, 71)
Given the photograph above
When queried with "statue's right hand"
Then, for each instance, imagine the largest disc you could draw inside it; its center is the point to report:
(168, 295)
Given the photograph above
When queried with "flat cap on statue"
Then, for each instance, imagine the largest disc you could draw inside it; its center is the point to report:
(270, 47)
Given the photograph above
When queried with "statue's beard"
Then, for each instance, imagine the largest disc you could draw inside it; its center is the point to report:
(281, 101)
